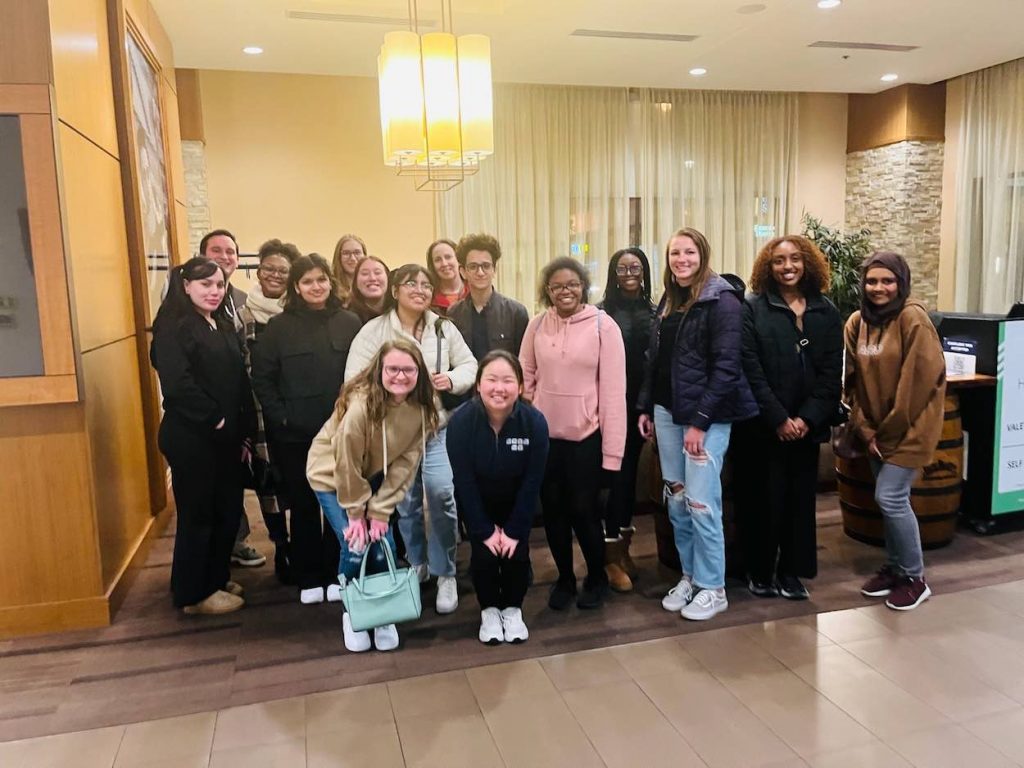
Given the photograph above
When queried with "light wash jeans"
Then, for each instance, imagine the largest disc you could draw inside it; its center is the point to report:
(350, 561)
(696, 510)
(434, 475)
(902, 534)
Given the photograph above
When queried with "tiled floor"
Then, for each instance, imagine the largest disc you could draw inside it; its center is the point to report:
(941, 686)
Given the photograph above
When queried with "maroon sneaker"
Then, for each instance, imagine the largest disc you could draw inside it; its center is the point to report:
(908, 594)
(882, 583)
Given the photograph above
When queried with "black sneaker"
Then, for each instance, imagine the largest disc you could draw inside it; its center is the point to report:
(593, 594)
(762, 588)
(791, 588)
(562, 594)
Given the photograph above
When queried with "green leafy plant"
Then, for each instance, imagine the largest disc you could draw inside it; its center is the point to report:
(844, 252)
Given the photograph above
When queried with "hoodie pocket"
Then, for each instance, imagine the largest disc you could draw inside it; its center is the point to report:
(567, 413)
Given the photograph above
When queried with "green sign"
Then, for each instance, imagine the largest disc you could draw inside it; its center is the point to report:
(1008, 467)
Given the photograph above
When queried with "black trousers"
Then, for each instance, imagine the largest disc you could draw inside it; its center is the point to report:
(569, 496)
(500, 582)
(776, 486)
(206, 481)
(618, 512)
(313, 548)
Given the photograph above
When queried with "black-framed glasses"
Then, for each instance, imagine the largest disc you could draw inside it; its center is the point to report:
(394, 371)
(573, 286)
(634, 269)
(483, 267)
(351, 254)
(412, 285)
(275, 271)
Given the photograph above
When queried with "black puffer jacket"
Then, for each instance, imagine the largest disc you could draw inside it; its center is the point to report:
(794, 373)
(298, 368)
(634, 318)
(708, 385)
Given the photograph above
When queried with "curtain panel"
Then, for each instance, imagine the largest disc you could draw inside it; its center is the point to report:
(990, 191)
(585, 171)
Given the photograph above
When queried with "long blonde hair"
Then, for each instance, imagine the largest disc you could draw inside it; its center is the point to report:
(673, 291)
(344, 288)
(369, 384)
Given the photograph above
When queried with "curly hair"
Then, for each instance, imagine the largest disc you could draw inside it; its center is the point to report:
(477, 242)
(563, 262)
(275, 247)
(817, 273)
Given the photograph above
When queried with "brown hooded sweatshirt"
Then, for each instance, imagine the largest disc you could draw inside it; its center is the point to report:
(896, 384)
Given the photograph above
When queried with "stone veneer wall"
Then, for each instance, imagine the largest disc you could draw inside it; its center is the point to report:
(197, 196)
(896, 192)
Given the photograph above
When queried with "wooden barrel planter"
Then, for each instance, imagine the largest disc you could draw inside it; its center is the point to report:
(935, 495)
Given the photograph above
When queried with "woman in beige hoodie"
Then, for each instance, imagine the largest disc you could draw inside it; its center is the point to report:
(895, 386)
(364, 459)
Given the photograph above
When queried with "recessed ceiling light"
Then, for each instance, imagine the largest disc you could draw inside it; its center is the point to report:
(698, 71)
(252, 50)
(747, 10)
(890, 77)
(826, 4)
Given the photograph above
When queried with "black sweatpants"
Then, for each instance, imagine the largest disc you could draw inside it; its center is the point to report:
(776, 486)
(313, 548)
(618, 512)
(500, 582)
(569, 497)
(207, 483)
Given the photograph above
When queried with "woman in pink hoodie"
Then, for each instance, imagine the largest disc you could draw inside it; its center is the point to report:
(575, 368)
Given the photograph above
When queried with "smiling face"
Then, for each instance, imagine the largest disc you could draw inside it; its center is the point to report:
(787, 265)
(206, 293)
(222, 249)
(445, 264)
(314, 288)
(629, 273)
(499, 387)
(399, 374)
(273, 276)
(565, 291)
(371, 281)
(881, 286)
(683, 259)
(350, 254)
(413, 294)
(479, 270)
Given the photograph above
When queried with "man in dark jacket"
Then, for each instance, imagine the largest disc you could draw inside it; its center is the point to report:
(486, 319)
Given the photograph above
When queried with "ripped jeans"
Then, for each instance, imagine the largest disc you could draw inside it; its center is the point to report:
(696, 509)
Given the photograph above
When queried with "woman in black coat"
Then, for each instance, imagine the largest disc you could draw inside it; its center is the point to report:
(297, 372)
(206, 432)
(627, 299)
(793, 359)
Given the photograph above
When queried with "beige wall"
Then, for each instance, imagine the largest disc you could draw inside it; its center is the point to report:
(947, 229)
(299, 157)
(821, 159)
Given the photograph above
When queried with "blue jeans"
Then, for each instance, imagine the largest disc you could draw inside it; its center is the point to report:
(902, 534)
(349, 562)
(696, 509)
(434, 475)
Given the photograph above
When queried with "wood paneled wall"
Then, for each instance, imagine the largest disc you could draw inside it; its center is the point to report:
(910, 112)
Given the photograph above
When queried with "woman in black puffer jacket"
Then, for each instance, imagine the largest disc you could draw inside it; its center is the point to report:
(297, 371)
(793, 359)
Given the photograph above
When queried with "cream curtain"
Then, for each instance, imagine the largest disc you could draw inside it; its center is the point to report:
(990, 191)
(586, 171)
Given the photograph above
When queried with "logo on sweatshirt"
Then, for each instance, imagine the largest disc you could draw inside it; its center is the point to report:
(517, 444)
(869, 350)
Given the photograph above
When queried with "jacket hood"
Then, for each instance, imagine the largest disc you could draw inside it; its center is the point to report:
(589, 312)
(719, 284)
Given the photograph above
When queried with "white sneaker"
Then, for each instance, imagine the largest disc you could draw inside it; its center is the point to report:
(491, 630)
(386, 638)
(334, 593)
(707, 604)
(679, 596)
(311, 596)
(514, 626)
(357, 642)
(421, 572)
(447, 594)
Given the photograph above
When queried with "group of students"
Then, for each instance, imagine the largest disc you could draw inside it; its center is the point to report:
(368, 390)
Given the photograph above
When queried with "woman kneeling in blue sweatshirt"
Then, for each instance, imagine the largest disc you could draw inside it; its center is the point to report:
(498, 448)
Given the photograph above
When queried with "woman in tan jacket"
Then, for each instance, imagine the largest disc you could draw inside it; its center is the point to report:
(364, 459)
(895, 386)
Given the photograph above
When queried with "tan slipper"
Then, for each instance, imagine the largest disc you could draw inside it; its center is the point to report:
(219, 602)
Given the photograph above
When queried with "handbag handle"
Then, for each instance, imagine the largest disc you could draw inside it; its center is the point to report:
(388, 555)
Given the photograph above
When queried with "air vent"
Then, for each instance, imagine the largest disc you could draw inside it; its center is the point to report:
(352, 18)
(614, 33)
(863, 46)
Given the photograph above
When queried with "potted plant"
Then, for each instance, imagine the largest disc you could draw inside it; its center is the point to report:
(845, 254)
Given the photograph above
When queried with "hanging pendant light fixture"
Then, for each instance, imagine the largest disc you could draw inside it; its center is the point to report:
(436, 102)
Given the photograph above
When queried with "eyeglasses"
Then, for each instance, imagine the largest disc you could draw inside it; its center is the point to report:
(351, 254)
(635, 269)
(573, 286)
(483, 267)
(394, 371)
(275, 272)
(412, 285)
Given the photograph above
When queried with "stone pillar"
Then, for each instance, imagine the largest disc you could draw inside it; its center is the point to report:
(196, 194)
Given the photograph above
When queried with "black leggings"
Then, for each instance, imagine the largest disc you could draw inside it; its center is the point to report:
(618, 512)
(569, 497)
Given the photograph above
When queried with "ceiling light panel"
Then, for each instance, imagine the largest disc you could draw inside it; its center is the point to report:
(619, 35)
(355, 18)
(863, 46)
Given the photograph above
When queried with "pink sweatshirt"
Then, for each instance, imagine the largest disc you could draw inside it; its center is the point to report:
(575, 372)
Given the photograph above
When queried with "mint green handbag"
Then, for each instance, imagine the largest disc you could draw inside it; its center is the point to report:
(390, 597)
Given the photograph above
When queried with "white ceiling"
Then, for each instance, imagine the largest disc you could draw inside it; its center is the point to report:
(531, 42)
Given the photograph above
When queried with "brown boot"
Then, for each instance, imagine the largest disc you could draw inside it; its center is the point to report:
(627, 562)
(618, 579)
